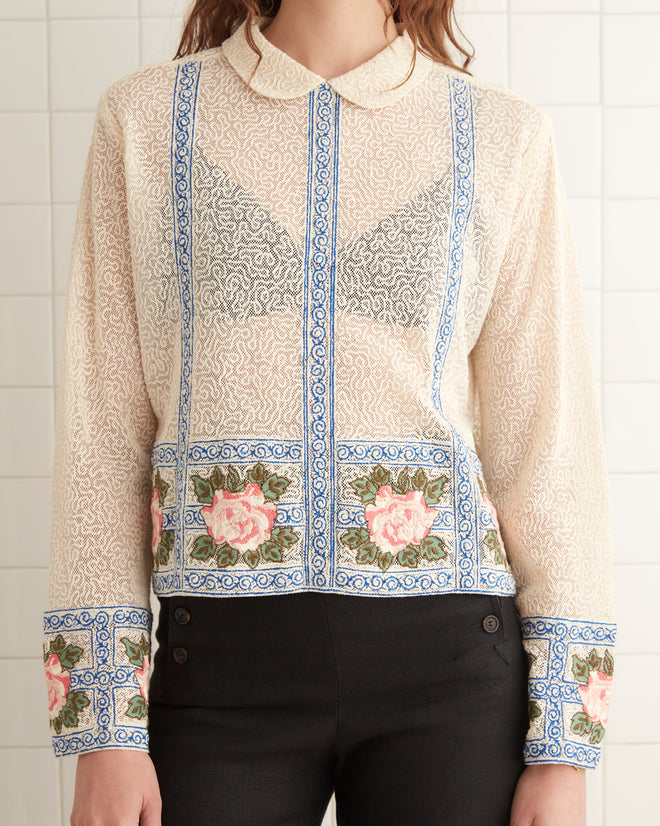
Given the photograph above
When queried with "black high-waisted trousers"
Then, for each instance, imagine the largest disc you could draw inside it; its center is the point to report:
(413, 710)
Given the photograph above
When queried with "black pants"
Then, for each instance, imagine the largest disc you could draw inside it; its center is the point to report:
(412, 709)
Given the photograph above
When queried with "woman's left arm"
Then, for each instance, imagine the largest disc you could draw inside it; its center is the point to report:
(550, 795)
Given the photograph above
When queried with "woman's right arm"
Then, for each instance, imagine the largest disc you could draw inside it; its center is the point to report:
(97, 622)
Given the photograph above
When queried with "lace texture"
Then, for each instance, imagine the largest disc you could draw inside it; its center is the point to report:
(329, 336)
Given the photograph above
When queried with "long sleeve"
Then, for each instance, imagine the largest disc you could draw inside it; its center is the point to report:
(539, 438)
(97, 622)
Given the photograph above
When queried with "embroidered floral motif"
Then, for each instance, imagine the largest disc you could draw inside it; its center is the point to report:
(398, 518)
(63, 704)
(493, 539)
(595, 674)
(240, 517)
(162, 541)
(138, 655)
(534, 710)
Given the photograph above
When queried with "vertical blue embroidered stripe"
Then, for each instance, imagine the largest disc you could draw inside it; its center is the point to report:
(183, 122)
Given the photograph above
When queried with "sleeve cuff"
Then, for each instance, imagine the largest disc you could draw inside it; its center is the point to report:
(571, 666)
(97, 674)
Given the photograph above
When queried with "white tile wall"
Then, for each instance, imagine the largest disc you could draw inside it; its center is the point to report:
(592, 65)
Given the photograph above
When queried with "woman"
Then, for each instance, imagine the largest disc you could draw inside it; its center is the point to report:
(325, 345)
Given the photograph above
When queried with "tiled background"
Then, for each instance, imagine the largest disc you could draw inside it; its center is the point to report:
(593, 65)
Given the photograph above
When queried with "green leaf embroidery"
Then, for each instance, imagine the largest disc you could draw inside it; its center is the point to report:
(70, 656)
(162, 487)
(271, 551)
(608, 664)
(408, 557)
(593, 660)
(354, 537)
(258, 474)
(137, 707)
(204, 548)
(581, 723)
(531, 659)
(419, 480)
(234, 482)
(145, 645)
(367, 554)
(164, 548)
(402, 483)
(203, 489)
(217, 479)
(365, 490)
(434, 490)
(597, 734)
(284, 536)
(69, 717)
(274, 486)
(57, 725)
(432, 547)
(534, 710)
(57, 645)
(252, 558)
(133, 652)
(580, 670)
(380, 476)
(77, 700)
(492, 542)
(385, 560)
(226, 555)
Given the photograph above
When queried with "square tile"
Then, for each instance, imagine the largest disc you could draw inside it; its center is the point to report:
(631, 783)
(578, 138)
(26, 432)
(586, 221)
(470, 6)
(86, 57)
(26, 9)
(634, 696)
(636, 589)
(631, 259)
(630, 5)
(23, 690)
(159, 38)
(488, 34)
(163, 8)
(536, 71)
(19, 768)
(632, 160)
(71, 142)
(64, 219)
(25, 242)
(634, 503)
(23, 54)
(23, 597)
(631, 336)
(98, 8)
(24, 139)
(24, 540)
(632, 436)
(26, 341)
(631, 59)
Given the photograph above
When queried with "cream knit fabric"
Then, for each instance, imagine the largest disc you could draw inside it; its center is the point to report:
(324, 336)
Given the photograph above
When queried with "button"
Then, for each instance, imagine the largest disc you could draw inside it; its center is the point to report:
(490, 623)
(180, 655)
(182, 616)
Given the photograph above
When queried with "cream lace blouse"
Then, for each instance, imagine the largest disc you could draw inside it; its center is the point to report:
(324, 336)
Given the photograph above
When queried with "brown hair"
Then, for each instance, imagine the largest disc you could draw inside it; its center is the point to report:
(431, 25)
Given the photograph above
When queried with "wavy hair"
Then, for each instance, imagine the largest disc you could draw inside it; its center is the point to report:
(431, 25)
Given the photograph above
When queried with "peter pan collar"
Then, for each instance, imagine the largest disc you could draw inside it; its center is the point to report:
(368, 85)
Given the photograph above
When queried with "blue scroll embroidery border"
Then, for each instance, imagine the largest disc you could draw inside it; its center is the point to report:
(554, 690)
(183, 128)
(102, 677)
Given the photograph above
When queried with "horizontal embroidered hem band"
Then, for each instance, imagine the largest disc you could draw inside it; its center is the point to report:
(97, 673)
(571, 665)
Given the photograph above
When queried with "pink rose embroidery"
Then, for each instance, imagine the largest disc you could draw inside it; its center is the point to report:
(242, 520)
(142, 676)
(58, 682)
(396, 520)
(157, 520)
(596, 696)
(493, 513)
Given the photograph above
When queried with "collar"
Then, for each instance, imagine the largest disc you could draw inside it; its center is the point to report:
(368, 85)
